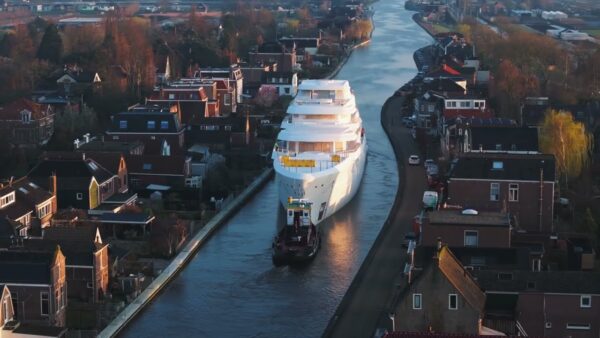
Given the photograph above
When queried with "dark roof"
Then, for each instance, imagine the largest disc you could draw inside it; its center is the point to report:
(442, 85)
(509, 139)
(80, 76)
(110, 146)
(156, 164)
(525, 167)
(9, 228)
(455, 217)
(27, 267)
(576, 282)
(71, 173)
(454, 271)
(126, 218)
(272, 47)
(534, 110)
(108, 160)
(78, 243)
(39, 330)
(137, 122)
(494, 258)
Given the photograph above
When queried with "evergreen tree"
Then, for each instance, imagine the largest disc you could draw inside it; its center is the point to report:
(51, 47)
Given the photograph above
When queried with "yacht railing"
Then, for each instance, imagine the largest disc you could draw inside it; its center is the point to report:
(289, 161)
(327, 101)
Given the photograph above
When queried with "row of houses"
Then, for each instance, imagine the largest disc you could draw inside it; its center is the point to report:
(490, 260)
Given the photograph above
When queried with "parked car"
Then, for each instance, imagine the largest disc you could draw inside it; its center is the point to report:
(428, 162)
(414, 160)
(432, 170)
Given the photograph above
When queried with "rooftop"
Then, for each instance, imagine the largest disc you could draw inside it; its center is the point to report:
(504, 166)
(483, 218)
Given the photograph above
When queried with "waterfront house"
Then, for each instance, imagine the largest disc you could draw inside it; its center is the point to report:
(87, 261)
(522, 185)
(285, 82)
(26, 123)
(26, 207)
(440, 295)
(465, 229)
(37, 281)
(546, 303)
(80, 181)
(455, 140)
(160, 130)
(274, 53)
(156, 170)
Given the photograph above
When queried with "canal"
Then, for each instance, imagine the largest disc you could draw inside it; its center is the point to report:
(231, 289)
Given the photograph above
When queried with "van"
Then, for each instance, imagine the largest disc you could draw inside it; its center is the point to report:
(430, 200)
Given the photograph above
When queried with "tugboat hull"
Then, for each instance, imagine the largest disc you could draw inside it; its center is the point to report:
(292, 255)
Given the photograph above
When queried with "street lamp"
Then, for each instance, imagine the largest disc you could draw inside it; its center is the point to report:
(392, 316)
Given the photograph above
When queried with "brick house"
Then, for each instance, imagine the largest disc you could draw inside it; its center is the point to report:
(285, 82)
(453, 140)
(440, 296)
(37, 281)
(160, 130)
(459, 229)
(145, 170)
(26, 123)
(519, 184)
(87, 265)
(26, 207)
(274, 53)
(233, 74)
(80, 182)
(548, 303)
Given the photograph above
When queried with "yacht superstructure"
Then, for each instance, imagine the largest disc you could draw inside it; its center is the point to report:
(321, 149)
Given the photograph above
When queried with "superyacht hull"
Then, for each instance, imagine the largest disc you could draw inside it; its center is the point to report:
(329, 190)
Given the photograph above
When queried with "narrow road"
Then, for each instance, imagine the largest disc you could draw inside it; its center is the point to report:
(367, 298)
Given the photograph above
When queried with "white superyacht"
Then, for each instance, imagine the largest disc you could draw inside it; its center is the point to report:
(321, 149)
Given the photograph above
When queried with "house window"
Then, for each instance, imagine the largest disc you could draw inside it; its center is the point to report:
(151, 124)
(505, 276)
(476, 104)
(227, 99)
(497, 165)
(471, 238)
(286, 90)
(494, 191)
(15, 302)
(147, 166)
(578, 326)
(122, 124)
(58, 301)
(63, 296)
(44, 303)
(585, 301)
(26, 116)
(79, 196)
(452, 301)
(498, 146)
(536, 264)
(5, 310)
(513, 192)
(44, 210)
(7, 199)
(164, 124)
(417, 301)
(171, 96)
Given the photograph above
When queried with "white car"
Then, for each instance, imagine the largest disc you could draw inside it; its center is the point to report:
(414, 160)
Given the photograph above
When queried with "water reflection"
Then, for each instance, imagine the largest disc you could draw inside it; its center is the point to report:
(232, 289)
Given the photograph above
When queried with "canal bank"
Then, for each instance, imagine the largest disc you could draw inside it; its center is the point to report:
(184, 256)
(231, 288)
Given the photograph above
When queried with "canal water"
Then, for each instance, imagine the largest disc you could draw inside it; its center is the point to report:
(231, 288)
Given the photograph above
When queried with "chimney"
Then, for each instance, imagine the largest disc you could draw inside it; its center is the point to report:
(10, 182)
(76, 143)
(52, 183)
(86, 137)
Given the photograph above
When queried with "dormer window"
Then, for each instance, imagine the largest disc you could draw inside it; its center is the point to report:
(26, 116)
(164, 124)
(498, 165)
(7, 200)
(151, 124)
(123, 124)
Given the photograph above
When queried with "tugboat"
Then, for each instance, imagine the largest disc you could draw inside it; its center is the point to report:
(299, 240)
